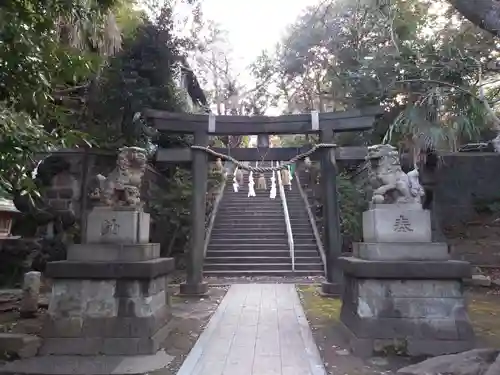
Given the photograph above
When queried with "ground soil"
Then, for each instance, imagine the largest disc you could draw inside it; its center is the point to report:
(323, 315)
(476, 241)
(189, 318)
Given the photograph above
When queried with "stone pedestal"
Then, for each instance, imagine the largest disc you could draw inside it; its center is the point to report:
(403, 294)
(109, 300)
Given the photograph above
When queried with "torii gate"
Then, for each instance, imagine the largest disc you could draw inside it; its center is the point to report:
(202, 126)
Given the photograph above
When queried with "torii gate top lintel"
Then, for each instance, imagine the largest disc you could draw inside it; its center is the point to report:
(348, 121)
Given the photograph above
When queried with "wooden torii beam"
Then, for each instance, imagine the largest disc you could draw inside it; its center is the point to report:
(348, 121)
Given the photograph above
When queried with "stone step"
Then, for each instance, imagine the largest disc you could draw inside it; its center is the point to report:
(248, 246)
(261, 266)
(248, 209)
(249, 221)
(260, 241)
(263, 247)
(269, 273)
(299, 225)
(257, 230)
(249, 202)
(272, 235)
(255, 215)
(259, 214)
(251, 230)
(269, 260)
(261, 253)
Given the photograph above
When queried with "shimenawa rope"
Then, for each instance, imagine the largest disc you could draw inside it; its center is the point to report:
(265, 169)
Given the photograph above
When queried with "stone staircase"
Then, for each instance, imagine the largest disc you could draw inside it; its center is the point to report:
(249, 236)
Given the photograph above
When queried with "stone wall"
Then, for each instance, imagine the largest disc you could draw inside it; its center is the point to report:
(67, 179)
(465, 181)
(69, 189)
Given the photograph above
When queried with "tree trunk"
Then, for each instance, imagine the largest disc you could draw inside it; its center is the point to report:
(482, 13)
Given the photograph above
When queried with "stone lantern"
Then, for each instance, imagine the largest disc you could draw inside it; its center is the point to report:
(7, 212)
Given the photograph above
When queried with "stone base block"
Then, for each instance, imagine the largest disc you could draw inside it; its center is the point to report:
(103, 299)
(126, 326)
(401, 251)
(113, 252)
(111, 317)
(405, 270)
(193, 290)
(396, 223)
(91, 365)
(409, 315)
(108, 225)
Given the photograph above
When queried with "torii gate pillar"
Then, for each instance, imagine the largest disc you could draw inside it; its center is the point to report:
(332, 237)
(194, 285)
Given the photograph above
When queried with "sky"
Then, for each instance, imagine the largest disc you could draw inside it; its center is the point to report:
(253, 25)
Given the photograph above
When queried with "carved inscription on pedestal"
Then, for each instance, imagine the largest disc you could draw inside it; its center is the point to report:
(109, 227)
(402, 225)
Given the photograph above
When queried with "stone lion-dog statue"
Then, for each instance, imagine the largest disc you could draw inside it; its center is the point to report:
(390, 184)
(122, 187)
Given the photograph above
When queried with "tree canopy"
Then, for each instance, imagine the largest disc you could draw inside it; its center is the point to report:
(419, 59)
(76, 75)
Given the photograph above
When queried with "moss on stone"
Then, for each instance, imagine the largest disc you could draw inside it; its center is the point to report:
(484, 312)
(316, 306)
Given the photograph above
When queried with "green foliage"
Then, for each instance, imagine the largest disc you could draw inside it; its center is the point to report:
(21, 138)
(416, 58)
(36, 59)
(140, 76)
(351, 207)
(171, 208)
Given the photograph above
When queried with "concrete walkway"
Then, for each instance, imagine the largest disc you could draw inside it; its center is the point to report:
(258, 329)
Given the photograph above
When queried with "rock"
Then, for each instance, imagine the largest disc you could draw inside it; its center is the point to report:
(494, 368)
(22, 345)
(479, 280)
(31, 294)
(472, 362)
(476, 271)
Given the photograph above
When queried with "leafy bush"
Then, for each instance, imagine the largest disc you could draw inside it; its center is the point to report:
(351, 207)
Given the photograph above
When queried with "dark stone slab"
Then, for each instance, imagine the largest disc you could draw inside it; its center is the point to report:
(110, 252)
(368, 347)
(404, 270)
(400, 328)
(193, 290)
(88, 346)
(114, 270)
(331, 289)
(91, 365)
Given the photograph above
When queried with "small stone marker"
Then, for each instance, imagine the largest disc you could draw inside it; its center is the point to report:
(31, 293)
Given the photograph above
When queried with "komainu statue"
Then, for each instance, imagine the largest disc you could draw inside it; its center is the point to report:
(390, 184)
(122, 187)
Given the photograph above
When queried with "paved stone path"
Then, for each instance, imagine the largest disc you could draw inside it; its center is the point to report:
(258, 329)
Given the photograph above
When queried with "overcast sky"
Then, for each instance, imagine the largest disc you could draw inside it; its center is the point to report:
(253, 25)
